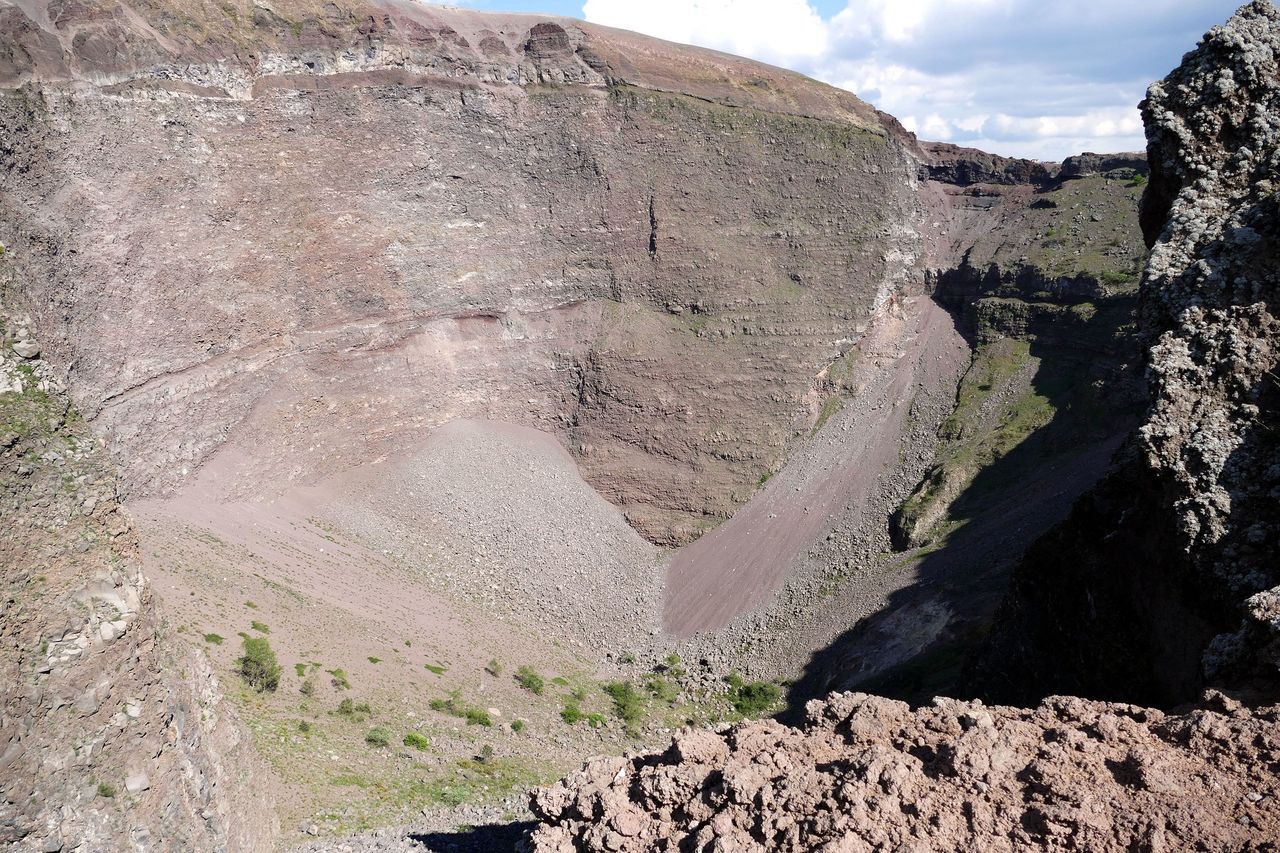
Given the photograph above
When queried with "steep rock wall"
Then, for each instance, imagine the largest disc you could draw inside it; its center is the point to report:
(1164, 578)
(113, 734)
(318, 233)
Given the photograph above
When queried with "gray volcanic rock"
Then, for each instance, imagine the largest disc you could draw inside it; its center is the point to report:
(1089, 163)
(1165, 577)
(953, 164)
(865, 773)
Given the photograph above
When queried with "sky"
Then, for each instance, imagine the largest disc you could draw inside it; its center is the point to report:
(1024, 78)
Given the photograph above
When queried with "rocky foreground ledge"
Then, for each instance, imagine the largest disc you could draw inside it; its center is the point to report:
(866, 773)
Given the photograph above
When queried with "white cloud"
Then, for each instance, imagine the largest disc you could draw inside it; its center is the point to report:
(780, 31)
(1017, 77)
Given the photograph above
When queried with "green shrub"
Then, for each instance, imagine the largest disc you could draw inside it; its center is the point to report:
(301, 669)
(308, 687)
(304, 727)
(517, 726)
(595, 720)
(260, 627)
(494, 667)
(560, 681)
(373, 659)
(437, 668)
(529, 679)
(214, 639)
(418, 741)
(340, 679)
(628, 704)
(354, 711)
(571, 713)
(457, 708)
(377, 736)
(673, 666)
(251, 605)
(106, 790)
(752, 699)
(258, 666)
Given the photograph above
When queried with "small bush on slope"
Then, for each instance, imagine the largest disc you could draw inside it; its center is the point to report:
(258, 666)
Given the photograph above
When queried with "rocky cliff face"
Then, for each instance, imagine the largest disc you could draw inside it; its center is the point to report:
(267, 228)
(1163, 579)
(1160, 581)
(113, 734)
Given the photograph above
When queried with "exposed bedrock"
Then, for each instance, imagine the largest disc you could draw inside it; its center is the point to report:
(1164, 578)
(391, 215)
(865, 773)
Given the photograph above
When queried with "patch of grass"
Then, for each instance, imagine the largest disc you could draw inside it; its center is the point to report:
(106, 790)
(494, 667)
(300, 669)
(304, 727)
(752, 698)
(528, 678)
(560, 681)
(830, 406)
(308, 687)
(571, 713)
(628, 703)
(339, 679)
(517, 726)
(260, 627)
(596, 720)
(673, 666)
(455, 706)
(251, 605)
(418, 741)
(373, 659)
(355, 711)
(258, 666)
(437, 668)
(377, 736)
(214, 639)
(662, 688)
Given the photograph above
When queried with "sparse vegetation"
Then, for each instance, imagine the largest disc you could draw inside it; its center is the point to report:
(417, 741)
(214, 639)
(260, 627)
(517, 726)
(571, 713)
(377, 736)
(528, 678)
(258, 666)
(373, 659)
(251, 605)
(106, 790)
(662, 688)
(494, 667)
(354, 711)
(752, 698)
(454, 706)
(628, 704)
(308, 687)
(339, 679)
(437, 668)
(300, 669)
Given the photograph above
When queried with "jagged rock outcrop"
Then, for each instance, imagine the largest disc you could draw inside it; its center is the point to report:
(954, 164)
(1164, 578)
(865, 773)
(1088, 163)
(113, 734)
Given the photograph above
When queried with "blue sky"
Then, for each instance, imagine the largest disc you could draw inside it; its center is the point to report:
(1018, 77)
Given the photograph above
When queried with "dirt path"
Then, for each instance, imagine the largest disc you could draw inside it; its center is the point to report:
(744, 562)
